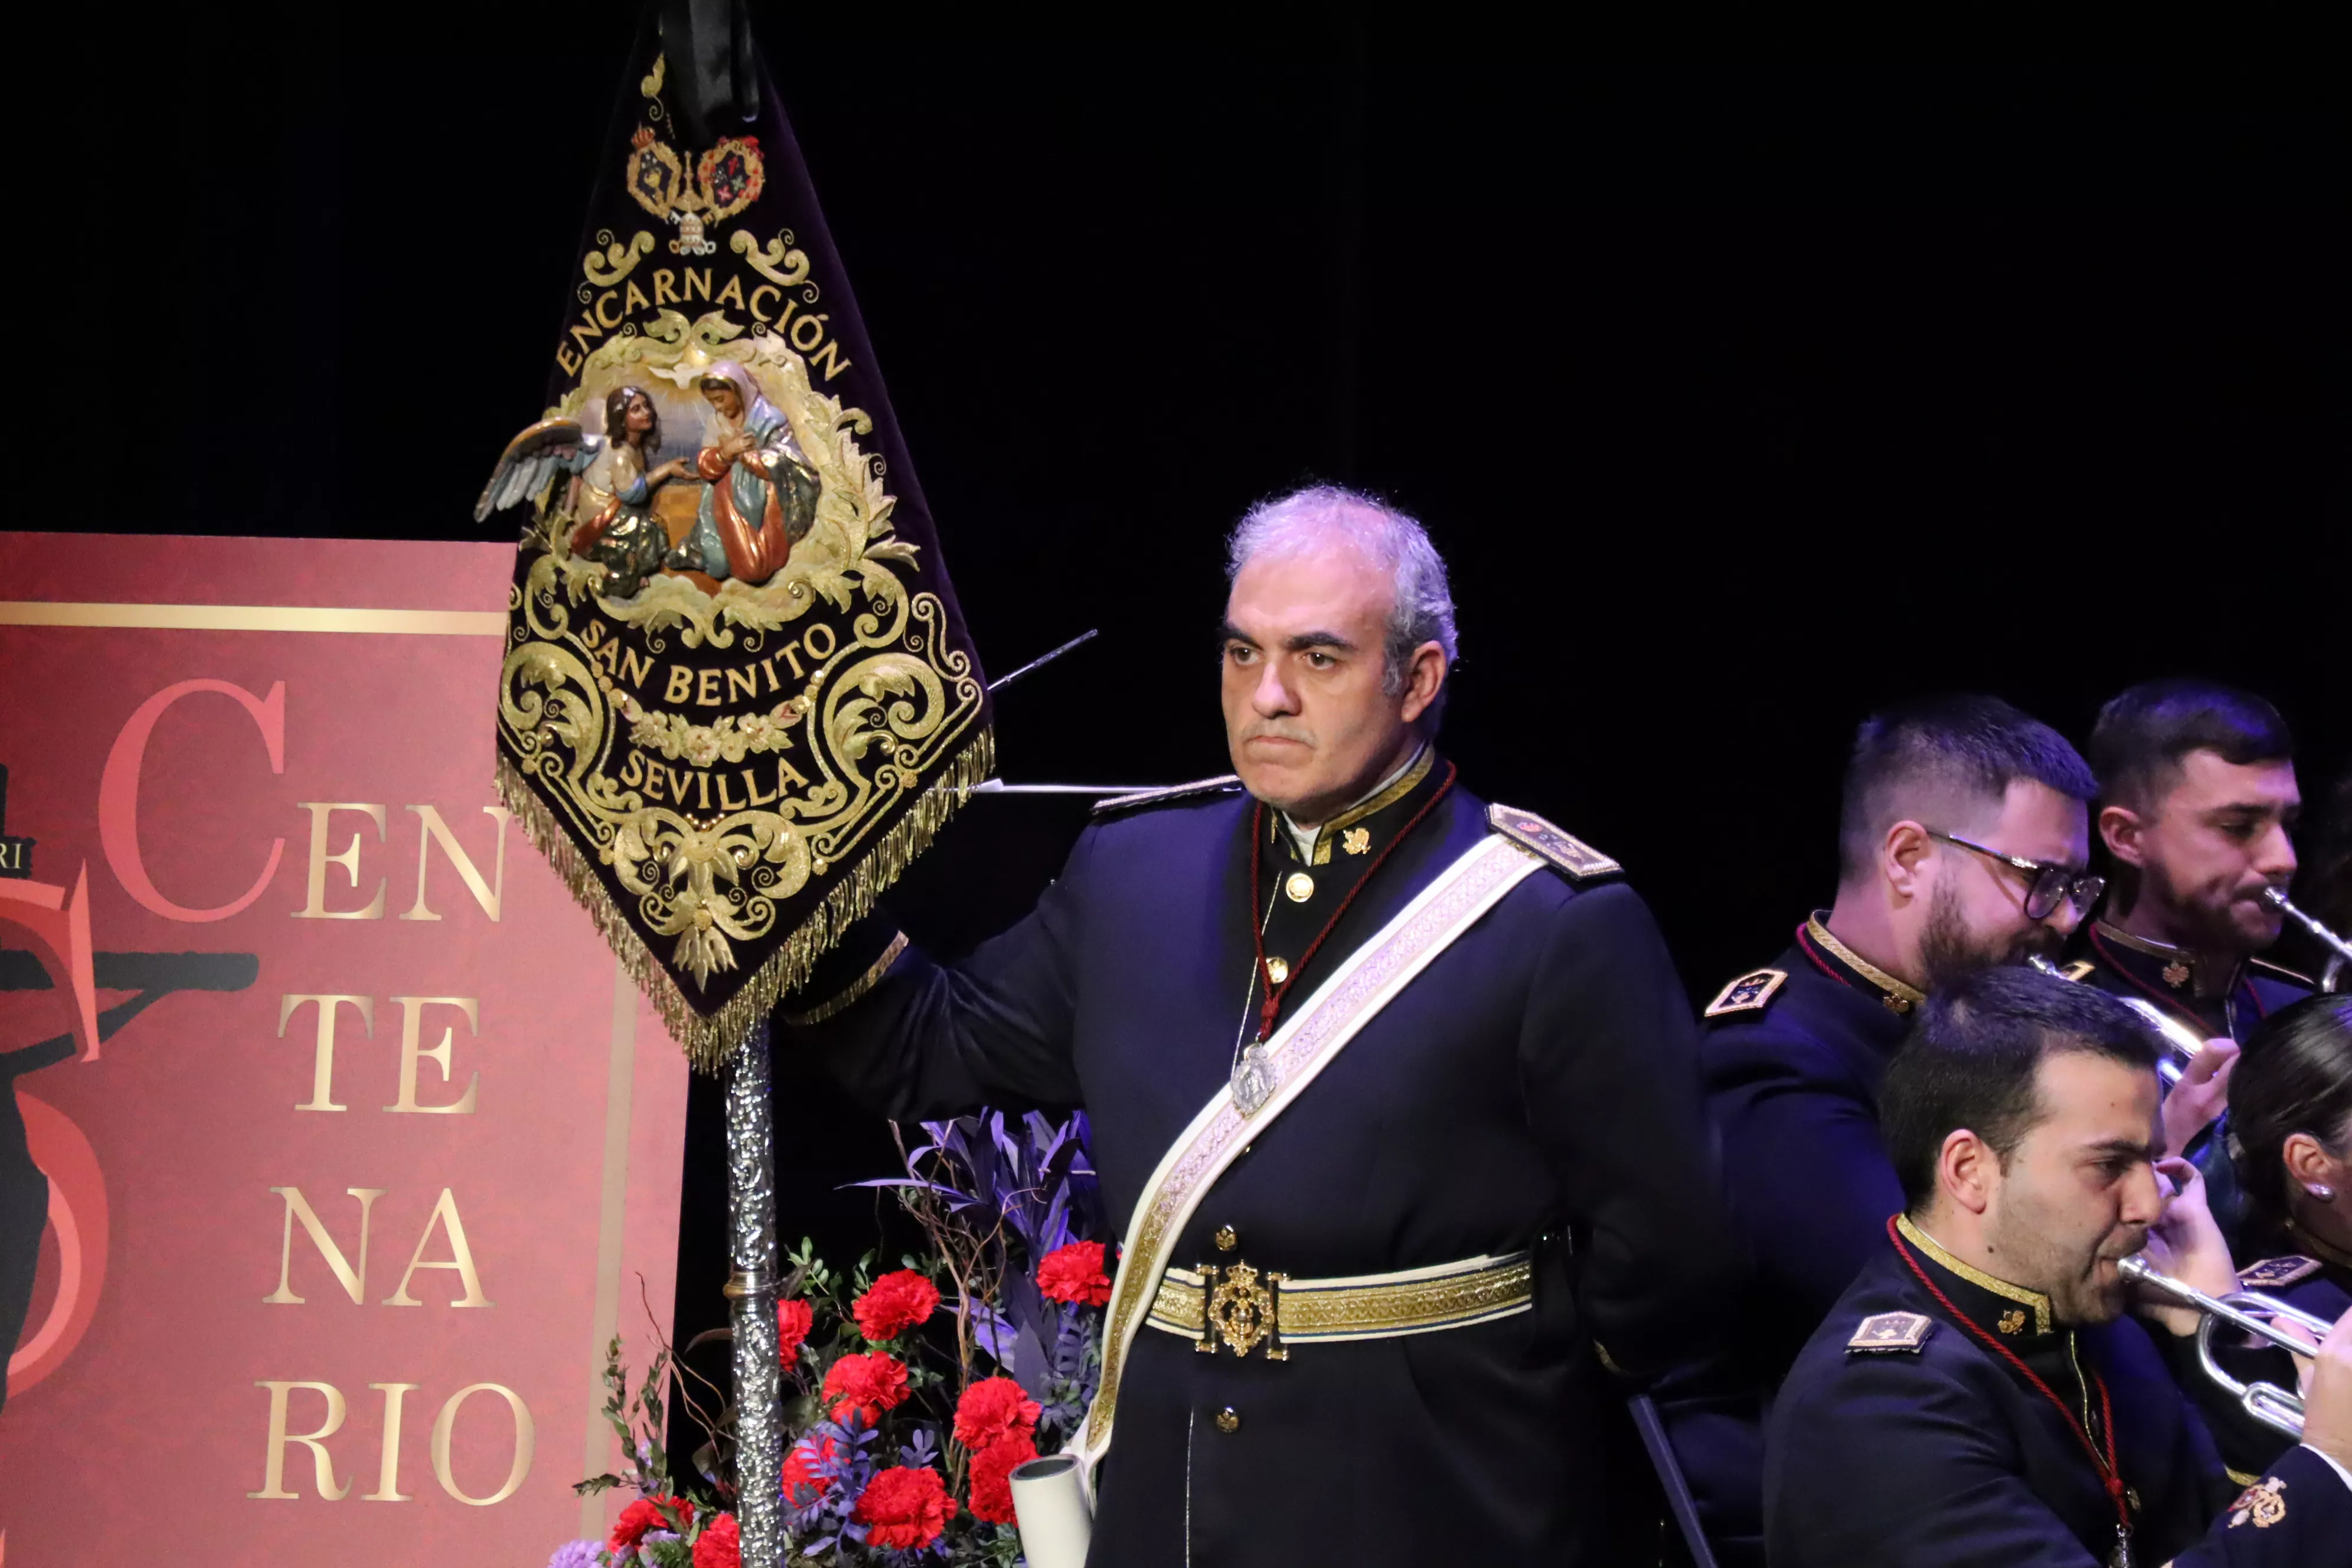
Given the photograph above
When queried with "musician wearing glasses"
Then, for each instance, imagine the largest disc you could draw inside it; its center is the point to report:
(1963, 843)
(1978, 1394)
(2197, 811)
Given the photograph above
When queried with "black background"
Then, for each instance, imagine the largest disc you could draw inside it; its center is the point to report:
(1744, 386)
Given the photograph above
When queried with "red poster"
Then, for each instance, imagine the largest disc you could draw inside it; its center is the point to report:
(332, 1183)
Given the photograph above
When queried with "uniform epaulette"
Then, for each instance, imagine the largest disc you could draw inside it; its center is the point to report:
(2272, 1272)
(1751, 993)
(1222, 783)
(2283, 972)
(1905, 1331)
(1581, 860)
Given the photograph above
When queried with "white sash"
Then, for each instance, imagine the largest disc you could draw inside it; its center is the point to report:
(1365, 983)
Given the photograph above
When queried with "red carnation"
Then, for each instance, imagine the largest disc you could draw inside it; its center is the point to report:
(991, 1475)
(794, 1321)
(869, 1383)
(904, 1509)
(801, 1469)
(1075, 1273)
(720, 1545)
(644, 1514)
(895, 1303)
(994, 1408)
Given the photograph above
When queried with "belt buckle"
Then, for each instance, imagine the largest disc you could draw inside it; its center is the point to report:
(1242, 1307)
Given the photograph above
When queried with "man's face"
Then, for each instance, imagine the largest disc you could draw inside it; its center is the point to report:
(2209, 846)
(2079, 1193)
(1305, 719)
(1976, 907)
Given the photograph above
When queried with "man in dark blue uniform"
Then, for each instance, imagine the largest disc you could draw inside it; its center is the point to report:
(1494, 1205)
(2197, 807)
(1976, 1395)
(1963, 841)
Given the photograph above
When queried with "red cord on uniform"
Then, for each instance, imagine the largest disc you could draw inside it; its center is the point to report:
(1272, 1006)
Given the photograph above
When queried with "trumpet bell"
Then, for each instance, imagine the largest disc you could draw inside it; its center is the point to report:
(2266, 1402)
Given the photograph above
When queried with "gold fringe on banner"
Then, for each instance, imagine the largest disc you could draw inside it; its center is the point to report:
(709, 1038)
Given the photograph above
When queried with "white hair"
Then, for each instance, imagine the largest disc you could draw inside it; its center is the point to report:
(1424, 610)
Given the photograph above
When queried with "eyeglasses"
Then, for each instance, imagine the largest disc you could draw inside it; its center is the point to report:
(2050, 883)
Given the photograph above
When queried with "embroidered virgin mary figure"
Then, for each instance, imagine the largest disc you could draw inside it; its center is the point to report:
(761, 494)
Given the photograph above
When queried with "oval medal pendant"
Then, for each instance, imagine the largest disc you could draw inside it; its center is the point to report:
(1254, 1080)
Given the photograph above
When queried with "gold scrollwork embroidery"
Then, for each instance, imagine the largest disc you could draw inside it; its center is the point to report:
(886, 711)
(775, 261)
(616, 261)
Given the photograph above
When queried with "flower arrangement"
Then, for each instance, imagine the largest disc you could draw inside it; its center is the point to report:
(913, 1393)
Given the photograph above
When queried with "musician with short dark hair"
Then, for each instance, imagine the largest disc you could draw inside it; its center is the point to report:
(1963, 842)
(2197, 807)
(1978, 1394)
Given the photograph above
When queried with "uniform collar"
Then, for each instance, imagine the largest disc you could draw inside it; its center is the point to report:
(2012, 1314)
(1352, 830)
(2171, 971)
(1850, 968)
(2334, 1257)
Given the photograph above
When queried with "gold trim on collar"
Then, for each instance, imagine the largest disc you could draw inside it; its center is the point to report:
(1414, 772)
(1909, 995)
(1977, 1276)
(2185, 958)
(2146, 945)
(2318, 1249)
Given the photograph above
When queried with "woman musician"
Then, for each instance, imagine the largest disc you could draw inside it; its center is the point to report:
(2291, 1115)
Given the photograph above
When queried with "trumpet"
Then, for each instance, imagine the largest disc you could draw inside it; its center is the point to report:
(2342, 950)
(2181, 1041)
(2265, 1402)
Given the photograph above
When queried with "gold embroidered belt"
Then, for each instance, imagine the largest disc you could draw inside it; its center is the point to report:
(1241, 1308)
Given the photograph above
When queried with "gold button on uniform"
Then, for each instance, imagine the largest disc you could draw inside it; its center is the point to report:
(1277, 969)
(1226, 1238)
(1229, 1419)
(1299, 886)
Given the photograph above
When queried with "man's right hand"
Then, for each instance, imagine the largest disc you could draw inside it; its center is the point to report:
(2201, 1095)
(2328, 1396)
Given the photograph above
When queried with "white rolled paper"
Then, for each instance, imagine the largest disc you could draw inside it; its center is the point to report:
(1050, 1510)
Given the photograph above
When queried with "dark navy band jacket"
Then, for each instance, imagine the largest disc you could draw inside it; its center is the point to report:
(2218, 1006)
(1902, 1439)
(1534, 1088)
(1791, 1055)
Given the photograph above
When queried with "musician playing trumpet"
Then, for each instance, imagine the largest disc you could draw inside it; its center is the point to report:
(2198, 808)
(1979, 1394)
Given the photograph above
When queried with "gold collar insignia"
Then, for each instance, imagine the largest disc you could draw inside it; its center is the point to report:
(1977, 1276)
(1898, 996)
(2182, 970)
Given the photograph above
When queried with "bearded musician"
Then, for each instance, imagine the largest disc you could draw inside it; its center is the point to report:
(1963, 843)
(2198, 809)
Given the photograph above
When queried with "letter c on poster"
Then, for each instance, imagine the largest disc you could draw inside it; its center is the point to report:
(118, 793)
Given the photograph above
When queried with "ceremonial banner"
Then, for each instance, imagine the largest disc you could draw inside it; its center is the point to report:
(334, 1146)
(738, 697)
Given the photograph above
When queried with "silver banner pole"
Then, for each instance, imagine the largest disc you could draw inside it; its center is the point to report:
(751, 1290)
